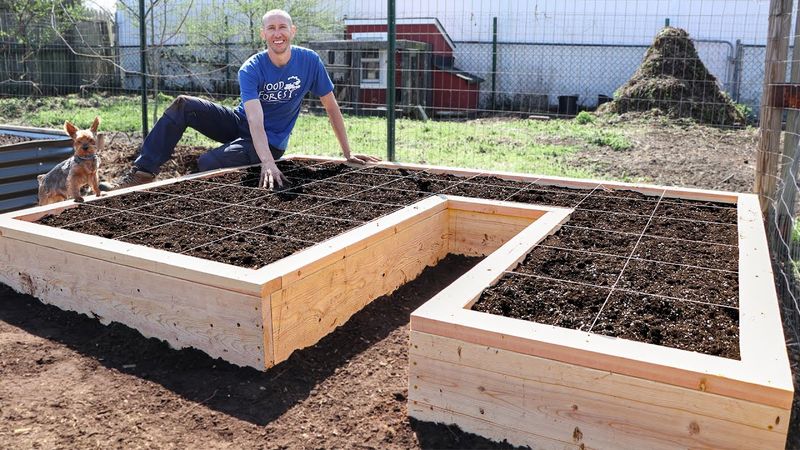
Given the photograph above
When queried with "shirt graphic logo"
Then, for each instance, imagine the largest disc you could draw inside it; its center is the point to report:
(279, 92)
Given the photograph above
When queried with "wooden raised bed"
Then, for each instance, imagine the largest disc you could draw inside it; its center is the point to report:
(503, 378)
(249, 317)
(550, 387)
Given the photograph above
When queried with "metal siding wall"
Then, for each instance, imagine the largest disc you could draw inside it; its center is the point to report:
(21, 163)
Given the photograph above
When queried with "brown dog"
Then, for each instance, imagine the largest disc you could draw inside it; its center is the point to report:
(67, 178)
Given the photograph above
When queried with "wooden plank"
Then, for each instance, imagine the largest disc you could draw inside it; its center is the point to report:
(220, 322)
(498, 207)
(663, 364)
(768, 152)
(137, 256)
(482, 427)
(384, 267)
(478, 234)
(311, 307)
(762, 344)
(552, 399)
(298, 310)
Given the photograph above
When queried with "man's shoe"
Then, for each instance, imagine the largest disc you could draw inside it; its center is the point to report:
(134, 177)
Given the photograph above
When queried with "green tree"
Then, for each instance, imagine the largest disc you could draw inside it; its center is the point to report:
(28, 26)
(239, 21)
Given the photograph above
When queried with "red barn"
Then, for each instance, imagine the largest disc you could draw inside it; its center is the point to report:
(452, 88)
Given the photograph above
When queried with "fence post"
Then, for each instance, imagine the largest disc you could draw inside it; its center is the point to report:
(787, 190)
(494, 61)
(228, 83)
(780, 21)
(736, 82)
(390, 81)
(143, 66)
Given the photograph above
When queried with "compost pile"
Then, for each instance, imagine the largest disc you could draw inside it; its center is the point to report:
(674, 81)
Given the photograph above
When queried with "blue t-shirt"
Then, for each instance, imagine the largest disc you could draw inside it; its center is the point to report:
(281, 89)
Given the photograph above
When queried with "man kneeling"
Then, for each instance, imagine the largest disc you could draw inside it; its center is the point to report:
(272, 84)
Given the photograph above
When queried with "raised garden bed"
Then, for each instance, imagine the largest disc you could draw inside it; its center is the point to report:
(590, 289)
(660, 330)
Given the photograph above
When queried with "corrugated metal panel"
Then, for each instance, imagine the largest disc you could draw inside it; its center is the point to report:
(21, 163)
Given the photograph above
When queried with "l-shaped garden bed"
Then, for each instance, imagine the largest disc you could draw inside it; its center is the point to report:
(606, 314)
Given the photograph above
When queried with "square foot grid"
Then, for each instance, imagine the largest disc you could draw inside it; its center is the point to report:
(605, 228)
(620, 281)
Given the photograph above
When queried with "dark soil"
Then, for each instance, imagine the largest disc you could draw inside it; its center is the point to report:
(689, 283)
(251, 250)
(616, 246)
(667, 322)
(544, 301)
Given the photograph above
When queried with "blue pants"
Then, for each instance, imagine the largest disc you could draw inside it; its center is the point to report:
(214, 121)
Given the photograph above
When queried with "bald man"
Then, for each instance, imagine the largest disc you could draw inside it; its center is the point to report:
(272, 84)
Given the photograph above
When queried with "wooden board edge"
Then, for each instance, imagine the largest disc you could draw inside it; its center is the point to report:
(185, 267)
(667, 365)
(666, 401)
(498, 207)
(421, 411)
(762, 343)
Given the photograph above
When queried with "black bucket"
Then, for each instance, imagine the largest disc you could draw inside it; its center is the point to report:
(567, 105)
(603, 99)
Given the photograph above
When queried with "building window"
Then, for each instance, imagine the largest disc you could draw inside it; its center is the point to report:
(373, 69)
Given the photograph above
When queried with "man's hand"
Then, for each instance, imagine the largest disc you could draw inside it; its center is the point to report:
(362, 159)
(271, 177)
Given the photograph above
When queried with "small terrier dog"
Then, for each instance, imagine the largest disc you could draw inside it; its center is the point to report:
(66, 179)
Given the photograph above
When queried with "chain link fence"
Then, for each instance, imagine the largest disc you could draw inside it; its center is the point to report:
(478, 83)
(197, 47)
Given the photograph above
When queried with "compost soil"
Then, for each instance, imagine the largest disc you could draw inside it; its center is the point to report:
(673, 79)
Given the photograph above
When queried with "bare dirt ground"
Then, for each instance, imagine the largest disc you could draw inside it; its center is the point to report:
(66, 381)
(676, 153)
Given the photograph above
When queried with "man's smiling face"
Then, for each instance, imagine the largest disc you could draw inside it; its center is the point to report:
(278, 32)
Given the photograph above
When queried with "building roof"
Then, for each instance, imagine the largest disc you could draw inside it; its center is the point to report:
(406, 21)
(447, 64)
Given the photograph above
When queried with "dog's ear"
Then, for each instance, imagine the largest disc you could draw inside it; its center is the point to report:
(95, 124)
(70, 129)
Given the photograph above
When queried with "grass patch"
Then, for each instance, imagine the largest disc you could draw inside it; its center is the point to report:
(584, 117)
(614, 141)
(493, 144)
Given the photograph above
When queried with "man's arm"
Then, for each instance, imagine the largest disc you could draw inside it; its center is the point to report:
(337, 123)
(270, 174)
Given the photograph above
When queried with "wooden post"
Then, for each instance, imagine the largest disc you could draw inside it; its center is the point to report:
(784, 211)
(780, 19)
(356, 79)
